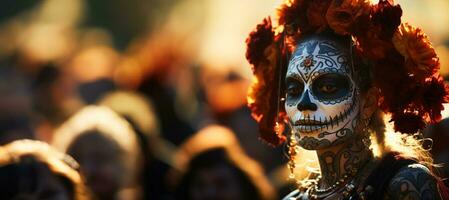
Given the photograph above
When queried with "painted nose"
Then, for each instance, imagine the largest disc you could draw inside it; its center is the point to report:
(305, 103)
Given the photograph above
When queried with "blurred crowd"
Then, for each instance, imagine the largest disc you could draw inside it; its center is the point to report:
(143, 99)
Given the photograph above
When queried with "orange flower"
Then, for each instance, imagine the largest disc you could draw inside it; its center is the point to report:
(420, 57)
(342, 14)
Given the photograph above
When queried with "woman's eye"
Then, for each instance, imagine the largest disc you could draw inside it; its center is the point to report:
(294, 87)
(331, 86)
(328, 89)
(293, 91)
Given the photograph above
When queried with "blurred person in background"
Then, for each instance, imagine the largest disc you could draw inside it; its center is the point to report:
(16, 104)
(213, 166)
(223, 97)
(157, 152)
(92, 69)
(54, 99)
(106, 148)
(167, 80)
(34, 170)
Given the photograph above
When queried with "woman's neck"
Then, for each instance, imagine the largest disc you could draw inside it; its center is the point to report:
(343, 159)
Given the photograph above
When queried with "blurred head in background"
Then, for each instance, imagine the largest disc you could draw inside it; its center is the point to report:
(212, 175)
(106, 148)
(224, 88)
(157, 152)
(33, 170)
(135, 108)
(214, 166)
(138, 110)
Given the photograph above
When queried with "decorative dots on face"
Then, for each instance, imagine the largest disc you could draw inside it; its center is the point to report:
(321, 98)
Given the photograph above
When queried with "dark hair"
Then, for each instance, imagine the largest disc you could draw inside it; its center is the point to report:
(210, 159)
(89, 135)
(23, 178)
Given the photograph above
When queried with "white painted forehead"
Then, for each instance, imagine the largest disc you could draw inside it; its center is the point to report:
(314, 46)
(316, 56)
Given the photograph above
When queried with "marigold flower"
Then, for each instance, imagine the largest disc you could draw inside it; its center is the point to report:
(316, 14)
(263, 94)
(420, 57)
(388, 16)
(342, 14)
(258, 41)
(434, 94)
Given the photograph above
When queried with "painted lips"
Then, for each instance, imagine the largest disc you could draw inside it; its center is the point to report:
(307, 126)
(309, 123)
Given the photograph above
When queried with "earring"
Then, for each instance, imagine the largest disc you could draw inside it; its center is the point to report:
(366, 134)
(292, 152)
(365, 125)
(366, 141)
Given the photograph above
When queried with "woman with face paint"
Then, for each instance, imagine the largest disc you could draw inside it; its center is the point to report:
(327, 77)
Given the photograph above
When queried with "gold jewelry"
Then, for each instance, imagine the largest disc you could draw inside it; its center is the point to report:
(350, 186)
(366, 133)
(345, 178)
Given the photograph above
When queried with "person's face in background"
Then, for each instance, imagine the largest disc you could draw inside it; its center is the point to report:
(101, 163)
(218, 182)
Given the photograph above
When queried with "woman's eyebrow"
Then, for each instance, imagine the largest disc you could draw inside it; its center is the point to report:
(293, 77)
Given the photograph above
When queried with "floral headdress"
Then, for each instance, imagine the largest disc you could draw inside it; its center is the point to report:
(404, 65)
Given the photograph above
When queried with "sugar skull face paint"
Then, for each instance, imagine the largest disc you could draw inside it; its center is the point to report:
(322, 100)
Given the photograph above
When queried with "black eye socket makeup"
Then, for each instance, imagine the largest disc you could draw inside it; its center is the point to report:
(294, 88)
(331, 86)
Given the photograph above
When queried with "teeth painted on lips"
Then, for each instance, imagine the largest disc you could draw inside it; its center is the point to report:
(309, 128)
(310, 124)
(305, 122)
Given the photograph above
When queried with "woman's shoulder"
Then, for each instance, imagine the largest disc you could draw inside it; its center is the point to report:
(298, 194)
(295, 195)
(414, 181)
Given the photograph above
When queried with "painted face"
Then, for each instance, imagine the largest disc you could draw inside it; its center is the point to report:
(322, 101)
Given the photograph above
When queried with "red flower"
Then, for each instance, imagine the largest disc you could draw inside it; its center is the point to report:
(316, 14)
(258, 41)
(435, 93)
(388, 17)
(263, 96)
(342, 14)
(293, 14)
(371, 45)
